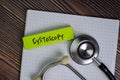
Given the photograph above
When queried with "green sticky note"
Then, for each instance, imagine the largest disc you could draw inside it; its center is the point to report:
(50, 37)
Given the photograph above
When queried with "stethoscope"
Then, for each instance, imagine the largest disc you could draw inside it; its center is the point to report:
(83, 50)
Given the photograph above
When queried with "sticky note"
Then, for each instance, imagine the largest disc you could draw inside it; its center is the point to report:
(49, 37)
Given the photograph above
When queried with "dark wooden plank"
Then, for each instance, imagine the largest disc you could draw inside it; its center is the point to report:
(12, 24)
(11, 32)
(105, 8)
(7, 72)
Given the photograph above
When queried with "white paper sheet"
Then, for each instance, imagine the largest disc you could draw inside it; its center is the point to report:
(105, 31)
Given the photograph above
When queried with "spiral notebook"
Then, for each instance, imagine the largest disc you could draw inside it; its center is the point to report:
(105, 31)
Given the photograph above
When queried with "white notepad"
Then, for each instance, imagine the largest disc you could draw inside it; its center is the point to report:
(105, 31)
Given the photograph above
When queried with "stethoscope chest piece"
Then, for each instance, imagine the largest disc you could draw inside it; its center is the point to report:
(83, 49)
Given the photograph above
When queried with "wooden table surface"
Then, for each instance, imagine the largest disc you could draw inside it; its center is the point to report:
(12, 24)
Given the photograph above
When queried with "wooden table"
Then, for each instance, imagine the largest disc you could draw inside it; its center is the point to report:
(12, 24)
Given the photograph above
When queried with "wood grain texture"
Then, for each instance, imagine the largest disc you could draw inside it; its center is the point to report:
(12, 24)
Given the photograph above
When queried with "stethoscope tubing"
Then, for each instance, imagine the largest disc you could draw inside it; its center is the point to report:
(53, 64)
(104, 68)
